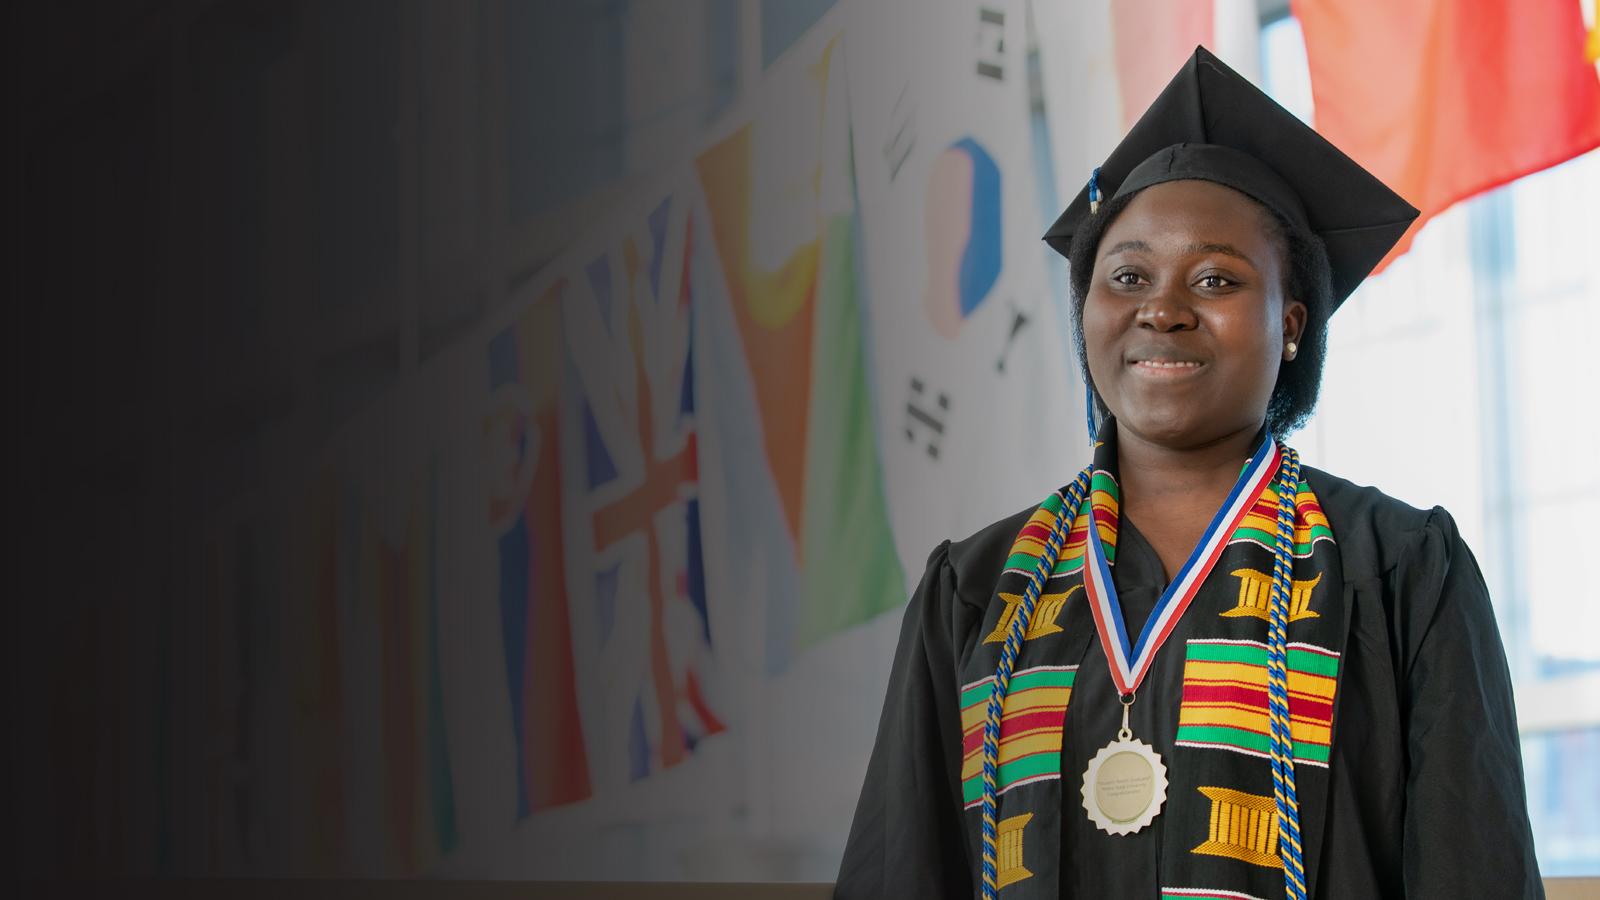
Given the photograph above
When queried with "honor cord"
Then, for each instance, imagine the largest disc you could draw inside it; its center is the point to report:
(1281, 743)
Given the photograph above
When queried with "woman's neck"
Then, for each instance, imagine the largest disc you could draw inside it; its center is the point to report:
(1172, 494)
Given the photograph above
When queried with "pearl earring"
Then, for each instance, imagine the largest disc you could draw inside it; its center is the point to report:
(1291, 348)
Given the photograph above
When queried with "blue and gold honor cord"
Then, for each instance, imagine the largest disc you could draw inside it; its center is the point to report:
(1281, 744)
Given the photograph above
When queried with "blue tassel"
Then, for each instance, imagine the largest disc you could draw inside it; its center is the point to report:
(1094, 191)
(1088, 411)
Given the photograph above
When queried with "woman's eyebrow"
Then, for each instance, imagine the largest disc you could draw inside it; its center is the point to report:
(1128, 245)
(1191, 250)
(1224, 249)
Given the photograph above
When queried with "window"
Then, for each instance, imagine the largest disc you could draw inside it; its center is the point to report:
(1475, 340)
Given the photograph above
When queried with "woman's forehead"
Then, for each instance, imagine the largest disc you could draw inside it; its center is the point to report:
(1177, 215)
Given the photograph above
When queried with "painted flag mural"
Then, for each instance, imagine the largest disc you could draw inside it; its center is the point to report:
(372, 671)
(523, 450)
(634, 502)
(326, 682)
(976, 415)
(808, 515)
(420, 812)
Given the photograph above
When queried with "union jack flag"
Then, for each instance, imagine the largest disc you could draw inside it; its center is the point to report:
(634, 398)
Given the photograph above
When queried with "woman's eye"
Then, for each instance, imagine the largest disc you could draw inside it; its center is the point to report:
(1126, 278)
(1214, 282)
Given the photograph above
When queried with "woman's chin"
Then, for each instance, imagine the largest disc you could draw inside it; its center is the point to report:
(1174, 427)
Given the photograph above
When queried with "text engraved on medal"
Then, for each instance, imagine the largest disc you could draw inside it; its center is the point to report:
(1124, 787)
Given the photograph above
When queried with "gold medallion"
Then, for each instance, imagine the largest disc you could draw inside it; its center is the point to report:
(1124, 786)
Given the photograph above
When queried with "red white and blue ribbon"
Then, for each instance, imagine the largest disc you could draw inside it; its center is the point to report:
(1130, 662)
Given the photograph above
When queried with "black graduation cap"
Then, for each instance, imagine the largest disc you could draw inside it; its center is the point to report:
(1211, 124)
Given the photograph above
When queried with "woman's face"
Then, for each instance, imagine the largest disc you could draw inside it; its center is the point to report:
(1185, 320)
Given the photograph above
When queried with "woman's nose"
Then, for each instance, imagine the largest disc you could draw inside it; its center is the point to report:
(1167, 309)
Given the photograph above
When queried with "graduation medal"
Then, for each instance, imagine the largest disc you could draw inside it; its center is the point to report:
(1125, 784)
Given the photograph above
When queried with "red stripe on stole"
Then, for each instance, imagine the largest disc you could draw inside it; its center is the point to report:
(1267, 508)
(1075, 537)
(1310, 710)
(1034, 530)
(1014, 725)
(1299, 708)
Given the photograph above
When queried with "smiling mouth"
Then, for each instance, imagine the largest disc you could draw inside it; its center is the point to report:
(1167, 365)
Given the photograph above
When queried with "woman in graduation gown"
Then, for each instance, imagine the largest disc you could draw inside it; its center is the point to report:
(1260, 680)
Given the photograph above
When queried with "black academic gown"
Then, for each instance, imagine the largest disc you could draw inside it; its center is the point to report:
(1425, 794)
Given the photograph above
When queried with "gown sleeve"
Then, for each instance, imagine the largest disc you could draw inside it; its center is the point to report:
(1466, 830)
(907, 839)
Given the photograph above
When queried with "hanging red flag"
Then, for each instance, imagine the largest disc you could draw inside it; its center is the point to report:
(1153, 39)
(1445, 99)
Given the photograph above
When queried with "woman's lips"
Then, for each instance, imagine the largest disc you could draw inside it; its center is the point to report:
(1166, 368)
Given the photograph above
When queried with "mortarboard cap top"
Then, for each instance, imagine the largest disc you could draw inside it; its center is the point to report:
(1211, 124)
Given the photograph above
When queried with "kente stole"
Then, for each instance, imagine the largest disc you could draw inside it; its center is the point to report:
(1219, 836)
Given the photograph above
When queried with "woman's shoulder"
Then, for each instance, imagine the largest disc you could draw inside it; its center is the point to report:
(977, 560)
(1375, 532)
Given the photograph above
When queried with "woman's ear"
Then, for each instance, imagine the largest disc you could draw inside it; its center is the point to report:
(1294, 326)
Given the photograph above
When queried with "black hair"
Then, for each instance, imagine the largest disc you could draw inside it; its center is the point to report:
(1309, 280)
